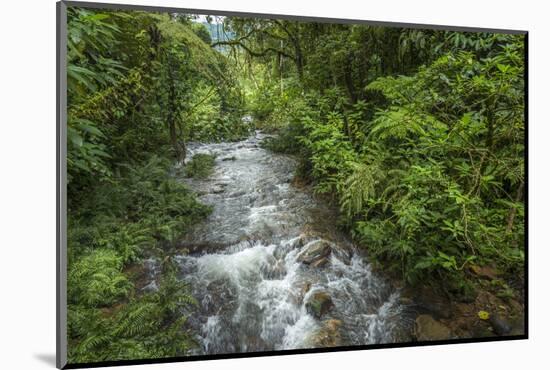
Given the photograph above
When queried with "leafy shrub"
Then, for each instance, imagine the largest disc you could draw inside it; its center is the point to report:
(446, 197)
(97, 279)
(141, 211)
(148, 326)
(433, 180)
(287, 139)
(330, 150)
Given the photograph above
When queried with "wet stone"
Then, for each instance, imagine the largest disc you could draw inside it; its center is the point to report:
(220, 297)
(320, 262)
(499, 325)
(315, 252)
(217, 189)
(319, 304)
(328, 335)
(342, 252)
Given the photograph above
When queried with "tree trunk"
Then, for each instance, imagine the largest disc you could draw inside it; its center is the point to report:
(347, 128)
(348, 78)
(281, 68)
(513, 210)
(299, 58)
(172, 112)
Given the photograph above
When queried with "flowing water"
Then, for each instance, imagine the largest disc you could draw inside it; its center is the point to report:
(244, 265)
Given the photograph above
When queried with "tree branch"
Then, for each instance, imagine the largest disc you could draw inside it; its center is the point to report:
(285, 29)
(254, 53)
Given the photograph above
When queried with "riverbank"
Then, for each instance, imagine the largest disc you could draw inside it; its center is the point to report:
(486, 313)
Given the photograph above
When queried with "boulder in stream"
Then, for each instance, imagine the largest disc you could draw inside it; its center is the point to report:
(305, 288)
(320, 262)
(232, 158)
(343, 252)
(318, 304)
(217, 189)
(315, 252)
(328, 335)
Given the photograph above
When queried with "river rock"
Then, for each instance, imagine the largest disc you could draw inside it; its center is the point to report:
(253, 343)
(303, 239)
(221, 297)
(328, 335)
(499, 325)
(320, 262)
(426, 328)
(217, 189)
(305, 288)
(151, 287)
(299, 291)
(319, 304)
(315, 252)
(300, 241)
(343, 253)
(237, 194)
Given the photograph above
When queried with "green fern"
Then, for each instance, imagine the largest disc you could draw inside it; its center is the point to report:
(358, 187)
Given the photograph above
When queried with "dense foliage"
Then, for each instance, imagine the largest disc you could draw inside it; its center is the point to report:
(139, 86)
(417, 135)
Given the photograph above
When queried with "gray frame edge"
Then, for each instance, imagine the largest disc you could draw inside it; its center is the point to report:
(169, 9)
(61, 193)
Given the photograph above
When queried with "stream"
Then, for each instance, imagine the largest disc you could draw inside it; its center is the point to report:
(269, 267)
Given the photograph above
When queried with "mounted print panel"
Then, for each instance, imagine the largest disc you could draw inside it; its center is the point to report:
(246, 184)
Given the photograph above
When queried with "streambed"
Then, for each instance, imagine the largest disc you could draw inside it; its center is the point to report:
(269, 267)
